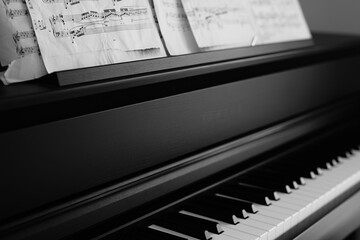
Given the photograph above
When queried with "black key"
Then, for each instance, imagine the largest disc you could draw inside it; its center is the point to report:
(272, 185)
(210, 201)
(301, 165)
(272, 178)
(334, 163)
(345, 154)
(210, 211)
(152, 234)
(285, 175)
(232, 191)
(237, 203)
(296, 170)
(325, 165)
(339, 160)
(188, 225)
(251, 189)
(319, 162)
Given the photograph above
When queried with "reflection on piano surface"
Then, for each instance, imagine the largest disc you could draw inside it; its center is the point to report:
(262, 147)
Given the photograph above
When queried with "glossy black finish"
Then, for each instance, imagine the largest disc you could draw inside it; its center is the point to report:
(260, 182)
(149, 234)
(238, 204)
(205, 62)
(235, 192)
(191, 226)
(211, 211)
(73, 157)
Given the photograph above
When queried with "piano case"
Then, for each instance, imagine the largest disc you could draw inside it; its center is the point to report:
(91, 160)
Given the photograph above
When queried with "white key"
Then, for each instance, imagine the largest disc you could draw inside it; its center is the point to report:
(270, 229)
(300, 210)
(286, 212)
(296, 201)
(272, 221)
(286, 219)
(237, 231)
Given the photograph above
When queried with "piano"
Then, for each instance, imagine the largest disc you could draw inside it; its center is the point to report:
(261, 146)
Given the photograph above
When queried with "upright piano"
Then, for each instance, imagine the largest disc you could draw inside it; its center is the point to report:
(215, 145)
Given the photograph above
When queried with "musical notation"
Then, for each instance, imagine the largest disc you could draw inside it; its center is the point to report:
(107, 14)
(220, 17)
(11, 13)
(23, 51)
(175, 27)
(116, 1)
(84, 33)
(216, 23)
(18, 35)
(8, 2)
(178, 22)
(39, 24)
(67, 3)
(93, 22)
(279, 20)
(24, 38)
(83, 30)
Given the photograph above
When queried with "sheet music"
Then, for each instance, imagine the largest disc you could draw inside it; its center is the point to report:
(175, 27)
(220, 23)
(18, 44)
(84, 33)
(279, 21)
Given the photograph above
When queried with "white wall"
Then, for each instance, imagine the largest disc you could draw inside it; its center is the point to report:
(341, 16)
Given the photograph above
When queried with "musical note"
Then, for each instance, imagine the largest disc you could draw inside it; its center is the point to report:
(39, 24)
(18, 35)
(279, 20)
(175, 27)
(22, 53)
(215, 23)
(120, 20)
(83, 33)
(67, 2)
(107, 13)
(116, 1)
(11, 13)
(20, 32)
(8, 2)
(29, 4)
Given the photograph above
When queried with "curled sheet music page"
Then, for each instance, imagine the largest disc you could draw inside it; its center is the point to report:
(215, 23)
(85, 33)
(175, 27)
(18, 45)
(279, 21)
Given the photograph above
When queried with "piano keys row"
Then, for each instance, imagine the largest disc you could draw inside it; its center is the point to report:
(262, 204)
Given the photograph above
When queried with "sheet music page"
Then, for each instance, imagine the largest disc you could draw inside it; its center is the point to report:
(220, 23)
(18, 44)
(85, 33)
(175, 27)
(279, 21)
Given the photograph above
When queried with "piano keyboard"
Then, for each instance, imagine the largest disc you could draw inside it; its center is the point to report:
(265, 203)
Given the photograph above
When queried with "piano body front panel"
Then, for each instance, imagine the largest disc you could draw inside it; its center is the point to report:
(81, 167)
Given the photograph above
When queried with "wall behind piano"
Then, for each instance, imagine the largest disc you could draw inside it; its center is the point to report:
(333, 15)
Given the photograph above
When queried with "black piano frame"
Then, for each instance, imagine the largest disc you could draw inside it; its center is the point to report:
(251, 106)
